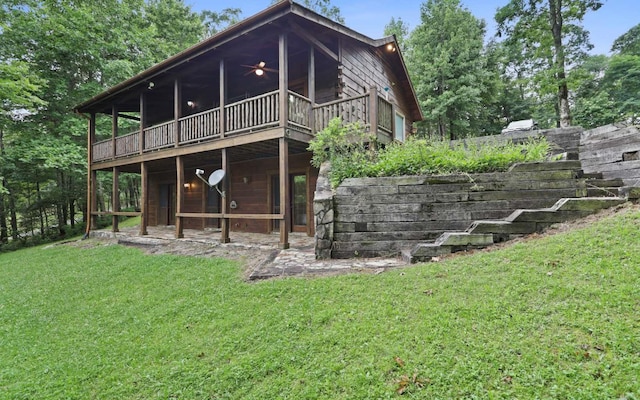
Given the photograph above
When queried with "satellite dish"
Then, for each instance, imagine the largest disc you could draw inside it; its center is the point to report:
(216, 177)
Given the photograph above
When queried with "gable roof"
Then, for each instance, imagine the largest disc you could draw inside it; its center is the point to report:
(268, 16)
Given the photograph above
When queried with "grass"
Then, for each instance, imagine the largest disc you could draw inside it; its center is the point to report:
(555, 318)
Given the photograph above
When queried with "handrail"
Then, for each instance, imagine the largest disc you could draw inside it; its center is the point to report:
(330, 103)
(247, 115)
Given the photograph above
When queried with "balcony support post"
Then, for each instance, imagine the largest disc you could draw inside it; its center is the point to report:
(285, 204)
(179, 196)
(373, 112)
(143, 117)
(114, 130)
(177, 109)
(115, 198)
(224, 206)
(223, 96)
(144, 200)
(311, 87)
(283, 75)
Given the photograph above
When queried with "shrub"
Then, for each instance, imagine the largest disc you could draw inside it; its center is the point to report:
(347, 148)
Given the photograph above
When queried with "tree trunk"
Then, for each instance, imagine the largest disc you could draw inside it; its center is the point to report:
(41, 214)
(13, 214)
(555, 18)
(4, 235)
(4, 232)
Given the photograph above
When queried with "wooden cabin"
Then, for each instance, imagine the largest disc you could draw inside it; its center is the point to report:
(248, 101)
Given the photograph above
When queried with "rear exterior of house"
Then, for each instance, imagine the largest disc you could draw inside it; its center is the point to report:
(248, 101)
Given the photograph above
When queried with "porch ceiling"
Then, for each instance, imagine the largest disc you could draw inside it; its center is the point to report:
(200, 75)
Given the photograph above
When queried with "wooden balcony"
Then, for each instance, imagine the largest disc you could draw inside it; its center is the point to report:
(247, 116)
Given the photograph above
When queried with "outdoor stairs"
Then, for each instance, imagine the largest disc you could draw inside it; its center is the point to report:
(601, 194)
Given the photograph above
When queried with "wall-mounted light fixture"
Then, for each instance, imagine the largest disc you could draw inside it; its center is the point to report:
(187, 185)
(391, 47)
(191, 103)
(245, 179)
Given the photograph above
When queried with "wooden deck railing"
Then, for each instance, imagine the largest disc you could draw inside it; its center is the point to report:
(351, 110)
(201, 126)
(385, 115)
(160, 136)
(128, 144)
(249, 115)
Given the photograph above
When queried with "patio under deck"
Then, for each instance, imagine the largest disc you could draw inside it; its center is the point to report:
(261, 257)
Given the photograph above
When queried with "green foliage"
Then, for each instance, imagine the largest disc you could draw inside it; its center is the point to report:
(417, 157)
(448, 69)
(628, 43)
(322, 7)
(549, 35)
(347, 149)
(555, 317)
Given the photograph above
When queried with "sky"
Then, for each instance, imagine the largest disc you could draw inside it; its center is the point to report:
(369, 17)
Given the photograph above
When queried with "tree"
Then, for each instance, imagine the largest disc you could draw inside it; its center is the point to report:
(216, 21)
(322, 7)
(448, 68)
(628, 43)
(73, 50)
(549, 31)
(19, 88)
(400, 29)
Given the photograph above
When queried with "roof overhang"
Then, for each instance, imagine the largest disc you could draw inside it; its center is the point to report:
(268, 16)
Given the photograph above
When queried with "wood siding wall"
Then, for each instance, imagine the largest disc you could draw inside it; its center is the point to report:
(252, 197)
(361, 69)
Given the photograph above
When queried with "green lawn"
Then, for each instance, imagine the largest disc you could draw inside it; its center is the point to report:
(556, 318)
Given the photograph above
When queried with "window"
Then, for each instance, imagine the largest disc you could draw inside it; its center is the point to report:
(398, 127)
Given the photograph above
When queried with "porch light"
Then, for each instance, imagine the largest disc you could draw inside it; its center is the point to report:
(191, 104)
(391, 47)
(187, 185)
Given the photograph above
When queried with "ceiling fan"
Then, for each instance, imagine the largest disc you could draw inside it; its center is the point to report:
(259, 69)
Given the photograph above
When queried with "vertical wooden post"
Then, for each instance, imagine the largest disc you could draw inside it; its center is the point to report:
(311, 87)
(223, 95)
(114, 129)
(144, 201)
(177, 109)
(224, 223)
(179, 196)
(91, 175)
(285, 205)
(93, 201)
(143, 117)
(283, 74)
(373, 111)
(115, 198)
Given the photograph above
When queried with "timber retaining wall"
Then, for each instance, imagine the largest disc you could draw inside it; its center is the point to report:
(370, 217)
(373, 217)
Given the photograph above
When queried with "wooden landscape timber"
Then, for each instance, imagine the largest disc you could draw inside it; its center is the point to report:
(426, 216)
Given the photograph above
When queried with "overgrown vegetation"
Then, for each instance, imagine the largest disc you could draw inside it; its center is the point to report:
(351, 152)
(550, 318)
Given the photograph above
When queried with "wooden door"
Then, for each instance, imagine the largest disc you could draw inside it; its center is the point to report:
(167, 209)
(297, 199)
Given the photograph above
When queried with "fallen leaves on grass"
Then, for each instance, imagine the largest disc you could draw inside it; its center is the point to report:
(405, 383)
